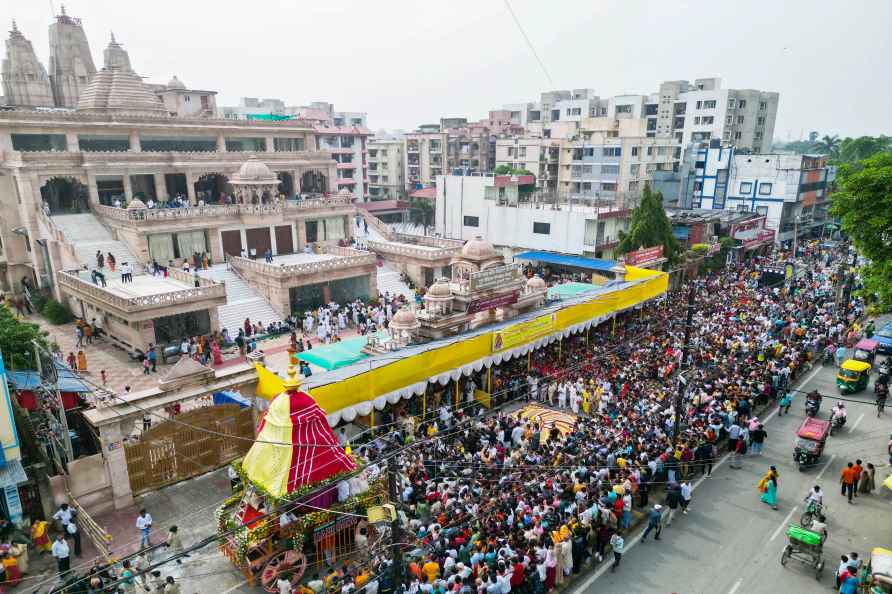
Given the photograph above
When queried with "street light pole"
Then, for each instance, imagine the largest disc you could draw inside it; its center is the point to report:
(795, 234)
(682, 383)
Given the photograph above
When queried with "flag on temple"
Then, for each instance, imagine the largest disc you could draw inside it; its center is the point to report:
(269, 385)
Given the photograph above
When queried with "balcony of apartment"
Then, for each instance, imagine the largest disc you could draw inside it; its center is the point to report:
(346, 269)
(147, 297)
(435, 148)
(224, 213)
(412, 147)
(601, 243)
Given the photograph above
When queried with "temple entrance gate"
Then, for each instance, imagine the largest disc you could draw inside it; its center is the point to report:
(196, 442)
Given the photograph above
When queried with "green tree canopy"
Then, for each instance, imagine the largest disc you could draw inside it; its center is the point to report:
(16, 340)
(864, 206)
(650, 227)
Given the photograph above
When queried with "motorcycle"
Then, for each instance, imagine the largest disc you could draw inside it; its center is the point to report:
(811, 407)
(836, 423)
(812, 511)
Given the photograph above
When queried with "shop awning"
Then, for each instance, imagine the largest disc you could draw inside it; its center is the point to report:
(568, 260)
(12, 474)
(231, 397)
(566, 290)
(68, 381)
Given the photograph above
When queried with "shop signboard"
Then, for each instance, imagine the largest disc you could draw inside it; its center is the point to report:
(479, 305)
(644, 255)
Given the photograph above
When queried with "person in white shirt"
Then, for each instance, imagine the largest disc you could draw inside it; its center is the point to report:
(283, 584)
(144, 525)
(62, 553)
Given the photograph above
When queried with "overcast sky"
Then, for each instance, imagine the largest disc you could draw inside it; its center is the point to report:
(408, 62)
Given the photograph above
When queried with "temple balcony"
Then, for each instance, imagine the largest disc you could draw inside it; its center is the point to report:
(296, 282)
(422, 259)
(148, 309)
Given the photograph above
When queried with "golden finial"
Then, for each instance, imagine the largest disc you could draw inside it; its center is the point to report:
(292, 383)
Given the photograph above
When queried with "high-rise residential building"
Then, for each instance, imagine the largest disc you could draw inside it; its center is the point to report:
(684, 111)
(423, 154)
(612, 157)
(539, 156)
(702, 111)
(386, 174)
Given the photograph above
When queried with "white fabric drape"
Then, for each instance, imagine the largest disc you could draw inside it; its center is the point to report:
(190, 242)
(334, 228)
(161, 248)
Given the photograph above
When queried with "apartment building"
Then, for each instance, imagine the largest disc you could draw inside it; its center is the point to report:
(685, 111)
(790, 191)
(500, 209)
(609, 156)
(540, 156)
(387, 179)
(423, 152)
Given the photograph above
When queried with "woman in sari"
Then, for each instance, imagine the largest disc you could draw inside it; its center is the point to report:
(768, 486)
(40, 536)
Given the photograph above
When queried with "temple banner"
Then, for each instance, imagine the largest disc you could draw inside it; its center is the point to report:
(479, 305)
(494, 277)
(522, 333)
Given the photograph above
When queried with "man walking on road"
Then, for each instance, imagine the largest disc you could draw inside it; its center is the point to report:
(849, 476)
(757, 436)
(686, 495)
(654, 522)
(618, 545)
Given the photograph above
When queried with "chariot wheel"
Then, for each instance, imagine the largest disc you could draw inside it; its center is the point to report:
(293, 562)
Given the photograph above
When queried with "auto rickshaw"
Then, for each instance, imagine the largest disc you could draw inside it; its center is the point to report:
(880, 571)
(810, 440)
(866, 350)
(853, 376)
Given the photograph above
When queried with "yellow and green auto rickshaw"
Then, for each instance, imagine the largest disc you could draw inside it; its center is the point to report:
(853, 376)
(880, 569)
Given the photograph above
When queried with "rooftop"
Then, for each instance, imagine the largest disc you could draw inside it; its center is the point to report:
(144, 285)
(301, 258)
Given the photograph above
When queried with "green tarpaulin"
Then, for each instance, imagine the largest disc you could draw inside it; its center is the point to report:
(565, 290)
(338, 354)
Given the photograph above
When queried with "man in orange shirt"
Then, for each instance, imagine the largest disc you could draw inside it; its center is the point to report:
(849, 477)
(858, 469)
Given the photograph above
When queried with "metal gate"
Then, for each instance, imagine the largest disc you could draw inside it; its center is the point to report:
(197, 442)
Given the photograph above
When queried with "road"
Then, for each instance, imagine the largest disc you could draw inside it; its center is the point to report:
(730, 542)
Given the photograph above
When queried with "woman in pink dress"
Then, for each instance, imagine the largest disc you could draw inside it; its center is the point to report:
(215, 351)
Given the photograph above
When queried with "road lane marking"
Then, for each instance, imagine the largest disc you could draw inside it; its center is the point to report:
(238, 585)
(855, 424)
(784, 523)
(810, 377)
(826, 466)
(736, 585)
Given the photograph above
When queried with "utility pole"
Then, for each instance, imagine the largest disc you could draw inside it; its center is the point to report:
(396, 532)
(66, 438)
(682, 383)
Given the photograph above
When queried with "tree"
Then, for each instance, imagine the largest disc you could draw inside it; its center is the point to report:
(852, 150)
(17, 340)
(421, 212)
(650, 227)
(828, 145)
(864, 206)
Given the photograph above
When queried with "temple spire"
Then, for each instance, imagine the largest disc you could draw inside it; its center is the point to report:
(15, 28)
(113, 42)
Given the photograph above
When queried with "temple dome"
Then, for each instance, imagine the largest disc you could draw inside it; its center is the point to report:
(439, 289)
(535, 283)
(478, 249)
(176, 83)
(404, 319)
(117, 89)
(255, 170)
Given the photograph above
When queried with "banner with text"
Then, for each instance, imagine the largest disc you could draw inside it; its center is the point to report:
(524, 332)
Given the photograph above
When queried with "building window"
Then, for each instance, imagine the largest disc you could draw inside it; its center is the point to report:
(39, 142)
(472, 221)
(739, 119)
(699, 104)
(729, 119)
(608, 187)
(738, 135)
(746, 187)
(633, 169)
(609, 169)
(634, 151)
(707, 120)
(763, 105)
(765, 189)
(623, 109)
(731, 103)
(542, 228)
(288, 144)
(742, 104)
(762, 210)
(241, 145)
(613, 151)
